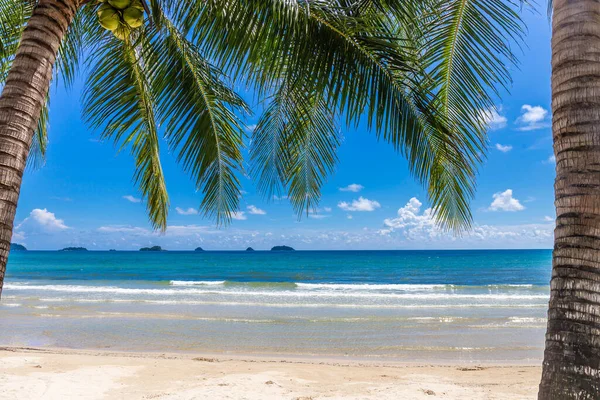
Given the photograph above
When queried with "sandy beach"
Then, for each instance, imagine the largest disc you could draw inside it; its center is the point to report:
(29, 373)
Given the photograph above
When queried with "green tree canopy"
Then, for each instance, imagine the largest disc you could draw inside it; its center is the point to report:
(421, 75)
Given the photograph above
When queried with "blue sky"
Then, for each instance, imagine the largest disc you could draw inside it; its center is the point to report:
(84, 195)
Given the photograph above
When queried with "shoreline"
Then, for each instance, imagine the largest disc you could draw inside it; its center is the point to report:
(305, 359)
(52, 373)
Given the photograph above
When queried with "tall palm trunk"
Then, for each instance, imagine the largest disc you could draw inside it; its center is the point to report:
(21, 103)
(571, 367)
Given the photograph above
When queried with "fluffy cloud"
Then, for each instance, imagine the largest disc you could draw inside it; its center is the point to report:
(411, 221)
(39, 221)
(278, 198)
(548, 219)
(319, 213)
(504, 201)
(361, 204)
(354, 187)
(493, 119)
(239, 216)
(532, 118)
(255, 210)
(188, 211)
(551, 160)
(421, 230)
(503, 148)
(132, 199)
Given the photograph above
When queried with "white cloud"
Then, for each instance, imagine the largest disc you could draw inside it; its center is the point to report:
(551, 160)
(349, 216)
(41, 220)
(354, 187)
(188, 211)
(493, 119)
(548, 219)
(255, 210)
(408, 217)
(277, 198)
(361, 204)
(504, 201)
(421, 229)
(239, 215)
(319, 213)
(504, 148)
(132, 199)
(532, 118)
(17, 237)
(132, 230)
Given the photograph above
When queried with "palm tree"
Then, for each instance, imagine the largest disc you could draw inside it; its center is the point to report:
(571, 368)
(316, 64)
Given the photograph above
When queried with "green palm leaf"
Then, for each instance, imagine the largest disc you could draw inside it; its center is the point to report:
(118, 100)
(200, 114)
(294, 145)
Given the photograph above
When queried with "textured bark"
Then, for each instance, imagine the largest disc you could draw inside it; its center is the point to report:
(21, 102)
(571, 368)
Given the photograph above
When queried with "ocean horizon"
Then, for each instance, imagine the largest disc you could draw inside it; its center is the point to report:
(401, 305)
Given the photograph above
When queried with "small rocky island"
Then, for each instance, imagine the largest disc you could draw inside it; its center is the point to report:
(74, 249)
(112, 250)
(199, 249)
(282, 248)
(153, 248)
(17, 247)
(249, 249)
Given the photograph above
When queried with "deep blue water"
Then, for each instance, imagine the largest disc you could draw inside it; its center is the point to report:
(404, 305)
(457, 267)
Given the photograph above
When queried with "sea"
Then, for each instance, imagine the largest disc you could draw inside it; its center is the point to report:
(407, 306)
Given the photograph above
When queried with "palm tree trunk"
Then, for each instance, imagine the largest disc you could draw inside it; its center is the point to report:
(21, 102)
(571, 368)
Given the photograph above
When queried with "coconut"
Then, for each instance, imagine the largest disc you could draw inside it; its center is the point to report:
(122, 32)
(109, 19)
(137, 4)
(105, 7)
(133, 17)
(120, 4)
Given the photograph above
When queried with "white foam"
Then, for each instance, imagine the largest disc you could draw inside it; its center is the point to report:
(371, 286)
(196, 283)
(277, 293)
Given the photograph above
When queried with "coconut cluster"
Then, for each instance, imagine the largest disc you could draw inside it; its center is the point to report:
(121, 16)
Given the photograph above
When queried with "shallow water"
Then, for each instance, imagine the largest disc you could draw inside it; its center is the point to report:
(399, 305)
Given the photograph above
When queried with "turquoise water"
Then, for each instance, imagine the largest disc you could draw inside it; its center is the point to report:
(401, 305)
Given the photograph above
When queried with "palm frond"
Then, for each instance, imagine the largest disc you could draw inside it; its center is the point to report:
(294, 145)
(469, 54)
(118, 99)
(200, 115)
(37, 151)
(14, 14)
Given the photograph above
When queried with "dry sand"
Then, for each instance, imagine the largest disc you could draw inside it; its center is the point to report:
(65, 374)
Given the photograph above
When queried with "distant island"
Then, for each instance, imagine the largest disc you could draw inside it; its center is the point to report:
(249, 249)
(74, 249)
(112, 250)
(199, 249)
(17, 247)
(153, 248)
(282, 248)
